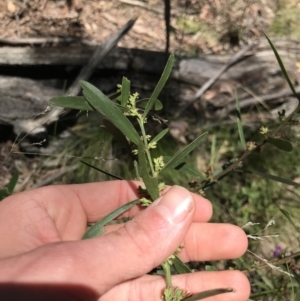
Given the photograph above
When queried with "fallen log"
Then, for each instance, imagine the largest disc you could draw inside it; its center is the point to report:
(257, 71)
(187, 69)
(24, 103)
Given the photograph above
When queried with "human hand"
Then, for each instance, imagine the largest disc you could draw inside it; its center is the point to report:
(43, 258)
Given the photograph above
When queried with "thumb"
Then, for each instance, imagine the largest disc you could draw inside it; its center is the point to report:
(131, 251)
(147, 240)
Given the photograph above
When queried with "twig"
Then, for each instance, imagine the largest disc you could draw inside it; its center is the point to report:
(143, 5)
(44, 5)
(235, 58)
(275, 262)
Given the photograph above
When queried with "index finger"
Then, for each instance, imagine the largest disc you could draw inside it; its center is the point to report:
(99, 199)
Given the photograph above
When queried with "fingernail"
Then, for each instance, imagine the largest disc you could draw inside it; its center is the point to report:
(175, 205)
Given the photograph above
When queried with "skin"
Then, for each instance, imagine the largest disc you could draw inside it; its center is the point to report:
(43, 258)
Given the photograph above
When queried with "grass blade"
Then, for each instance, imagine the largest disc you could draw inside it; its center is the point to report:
(213, 150)
(185, 167)
(288, 216)
(239, 122)
(101, 170)
(98, 228)
(114, 131)
(9, 188)
(72, 102)
(107, 108)
(13, 182)
(282, 68)
(164, 77)
(273, 178)
(209, 293)
(180, 155)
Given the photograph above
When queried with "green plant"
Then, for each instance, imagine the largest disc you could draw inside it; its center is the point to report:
(126, 119)
(120, 120)
(9, 188)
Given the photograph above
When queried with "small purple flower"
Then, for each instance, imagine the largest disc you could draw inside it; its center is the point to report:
(277, 251)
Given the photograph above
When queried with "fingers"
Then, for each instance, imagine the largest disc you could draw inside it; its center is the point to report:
(150, 288)
(108, 260)
(99, 199)
(208, 241)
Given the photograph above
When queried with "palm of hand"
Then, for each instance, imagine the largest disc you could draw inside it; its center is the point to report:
(45, 226)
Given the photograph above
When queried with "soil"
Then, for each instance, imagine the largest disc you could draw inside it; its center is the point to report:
(205, 26)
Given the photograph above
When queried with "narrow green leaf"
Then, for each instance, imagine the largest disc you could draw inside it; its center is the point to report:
(288, 216)
(150, 183)
(122, 109)
(142, 103)
(101, 170)
(71, 102)
(209, 293)
(180, 266)
(107, 108)
(125, 91)
(113, 130)
(210, 268)
(239, 122)
(181, 154)
(114, 96)
(3, 193)
(159, 135)
(213, 150)
(281, 144)
(13, 182)
(9, 188)
(273, 178)
(282, 68)
(184, 167)
(296, 277)
(164, 77)
(98, 228)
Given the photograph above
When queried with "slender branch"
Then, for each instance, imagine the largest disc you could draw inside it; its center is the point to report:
(167, 270)
(142, 5)
(141, 124)
(273, 262)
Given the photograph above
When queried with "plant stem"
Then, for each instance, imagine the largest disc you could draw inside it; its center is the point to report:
(275, 262)
(167, 270)
(141, 124)
(229, 168)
